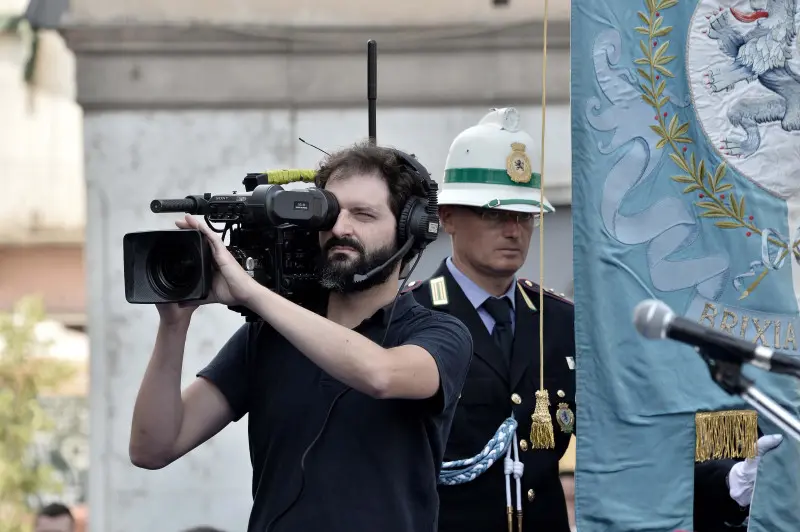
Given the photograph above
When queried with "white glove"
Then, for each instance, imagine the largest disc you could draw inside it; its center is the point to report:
(742, 477)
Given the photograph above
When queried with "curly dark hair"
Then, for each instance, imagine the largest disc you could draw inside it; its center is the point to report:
(364, 157)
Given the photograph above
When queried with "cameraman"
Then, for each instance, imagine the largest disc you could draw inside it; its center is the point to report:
(349, 404)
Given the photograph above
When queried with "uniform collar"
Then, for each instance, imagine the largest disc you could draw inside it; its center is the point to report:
(475, 294)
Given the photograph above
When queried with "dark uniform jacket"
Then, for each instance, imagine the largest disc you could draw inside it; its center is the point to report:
(493, 390)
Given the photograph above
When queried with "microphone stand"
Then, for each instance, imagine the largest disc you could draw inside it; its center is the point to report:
(727, 373)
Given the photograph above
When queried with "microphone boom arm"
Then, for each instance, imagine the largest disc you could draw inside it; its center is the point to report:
(726, 371)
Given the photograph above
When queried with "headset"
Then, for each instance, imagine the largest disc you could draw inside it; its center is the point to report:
(419, 219)
(418, 222)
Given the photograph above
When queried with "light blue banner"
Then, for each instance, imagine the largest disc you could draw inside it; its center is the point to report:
(686, 188)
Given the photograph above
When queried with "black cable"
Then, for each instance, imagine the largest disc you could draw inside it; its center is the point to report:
(396, 297)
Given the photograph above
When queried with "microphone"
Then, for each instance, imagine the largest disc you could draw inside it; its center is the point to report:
(656, 321)
(358, 278)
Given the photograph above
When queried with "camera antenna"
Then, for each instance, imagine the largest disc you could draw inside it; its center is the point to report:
(372, 88)
(301, 139)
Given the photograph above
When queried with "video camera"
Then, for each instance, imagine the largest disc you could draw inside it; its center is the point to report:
(273, 232)
(273, 235)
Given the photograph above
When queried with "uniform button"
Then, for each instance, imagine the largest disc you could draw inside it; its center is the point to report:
(516, 399)
(523, 445)
(531, 495)
(560, 393)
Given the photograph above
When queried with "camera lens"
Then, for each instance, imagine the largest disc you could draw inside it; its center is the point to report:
(174, 268)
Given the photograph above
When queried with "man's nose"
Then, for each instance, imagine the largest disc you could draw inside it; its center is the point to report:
(343, 226)
(511, 227)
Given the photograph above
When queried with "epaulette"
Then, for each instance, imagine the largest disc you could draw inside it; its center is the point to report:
(533, 287)
(413, 285)
(436, 285)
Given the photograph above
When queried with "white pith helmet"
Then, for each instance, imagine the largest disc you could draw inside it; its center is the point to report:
(488, 166)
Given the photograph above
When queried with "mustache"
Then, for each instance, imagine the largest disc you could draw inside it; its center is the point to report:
(344, 242)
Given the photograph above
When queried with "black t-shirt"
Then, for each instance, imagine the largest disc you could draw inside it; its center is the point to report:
(376, 463)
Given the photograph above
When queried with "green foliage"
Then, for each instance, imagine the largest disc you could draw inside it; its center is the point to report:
(24, 375)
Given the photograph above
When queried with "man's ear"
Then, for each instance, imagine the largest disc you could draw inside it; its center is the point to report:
(446, 218)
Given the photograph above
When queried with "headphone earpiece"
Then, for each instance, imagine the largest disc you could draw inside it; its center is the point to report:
(419, 217)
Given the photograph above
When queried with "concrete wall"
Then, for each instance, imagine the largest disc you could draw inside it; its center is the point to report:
(41, 143)
(159, 66)
(314, 12)
(134, 157)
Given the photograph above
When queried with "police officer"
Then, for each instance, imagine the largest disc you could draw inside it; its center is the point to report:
(501, 468)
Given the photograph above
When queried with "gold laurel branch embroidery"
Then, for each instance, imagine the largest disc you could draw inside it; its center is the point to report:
(716, 198)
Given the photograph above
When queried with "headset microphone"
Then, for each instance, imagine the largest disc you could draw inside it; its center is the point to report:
(358, 278)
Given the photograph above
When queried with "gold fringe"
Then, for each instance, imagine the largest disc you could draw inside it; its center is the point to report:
(281, 177)
(726, 434)
(542, 424)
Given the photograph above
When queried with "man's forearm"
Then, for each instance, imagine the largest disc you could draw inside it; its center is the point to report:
(342, 353)
(158, 412)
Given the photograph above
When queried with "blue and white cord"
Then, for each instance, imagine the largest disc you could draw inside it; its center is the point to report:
(463, 471)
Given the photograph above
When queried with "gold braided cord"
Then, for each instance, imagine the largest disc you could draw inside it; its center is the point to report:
(541, 435)
(541, 205)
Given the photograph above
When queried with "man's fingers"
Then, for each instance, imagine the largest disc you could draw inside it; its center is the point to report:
(768, 442)
(191, 221)
(217, 245)
(187, 223)
(214, 239)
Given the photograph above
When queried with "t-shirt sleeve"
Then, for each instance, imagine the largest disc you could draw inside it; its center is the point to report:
(449, 342)
(228, 371)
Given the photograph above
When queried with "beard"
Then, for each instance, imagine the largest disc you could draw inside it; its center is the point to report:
(336, 271)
